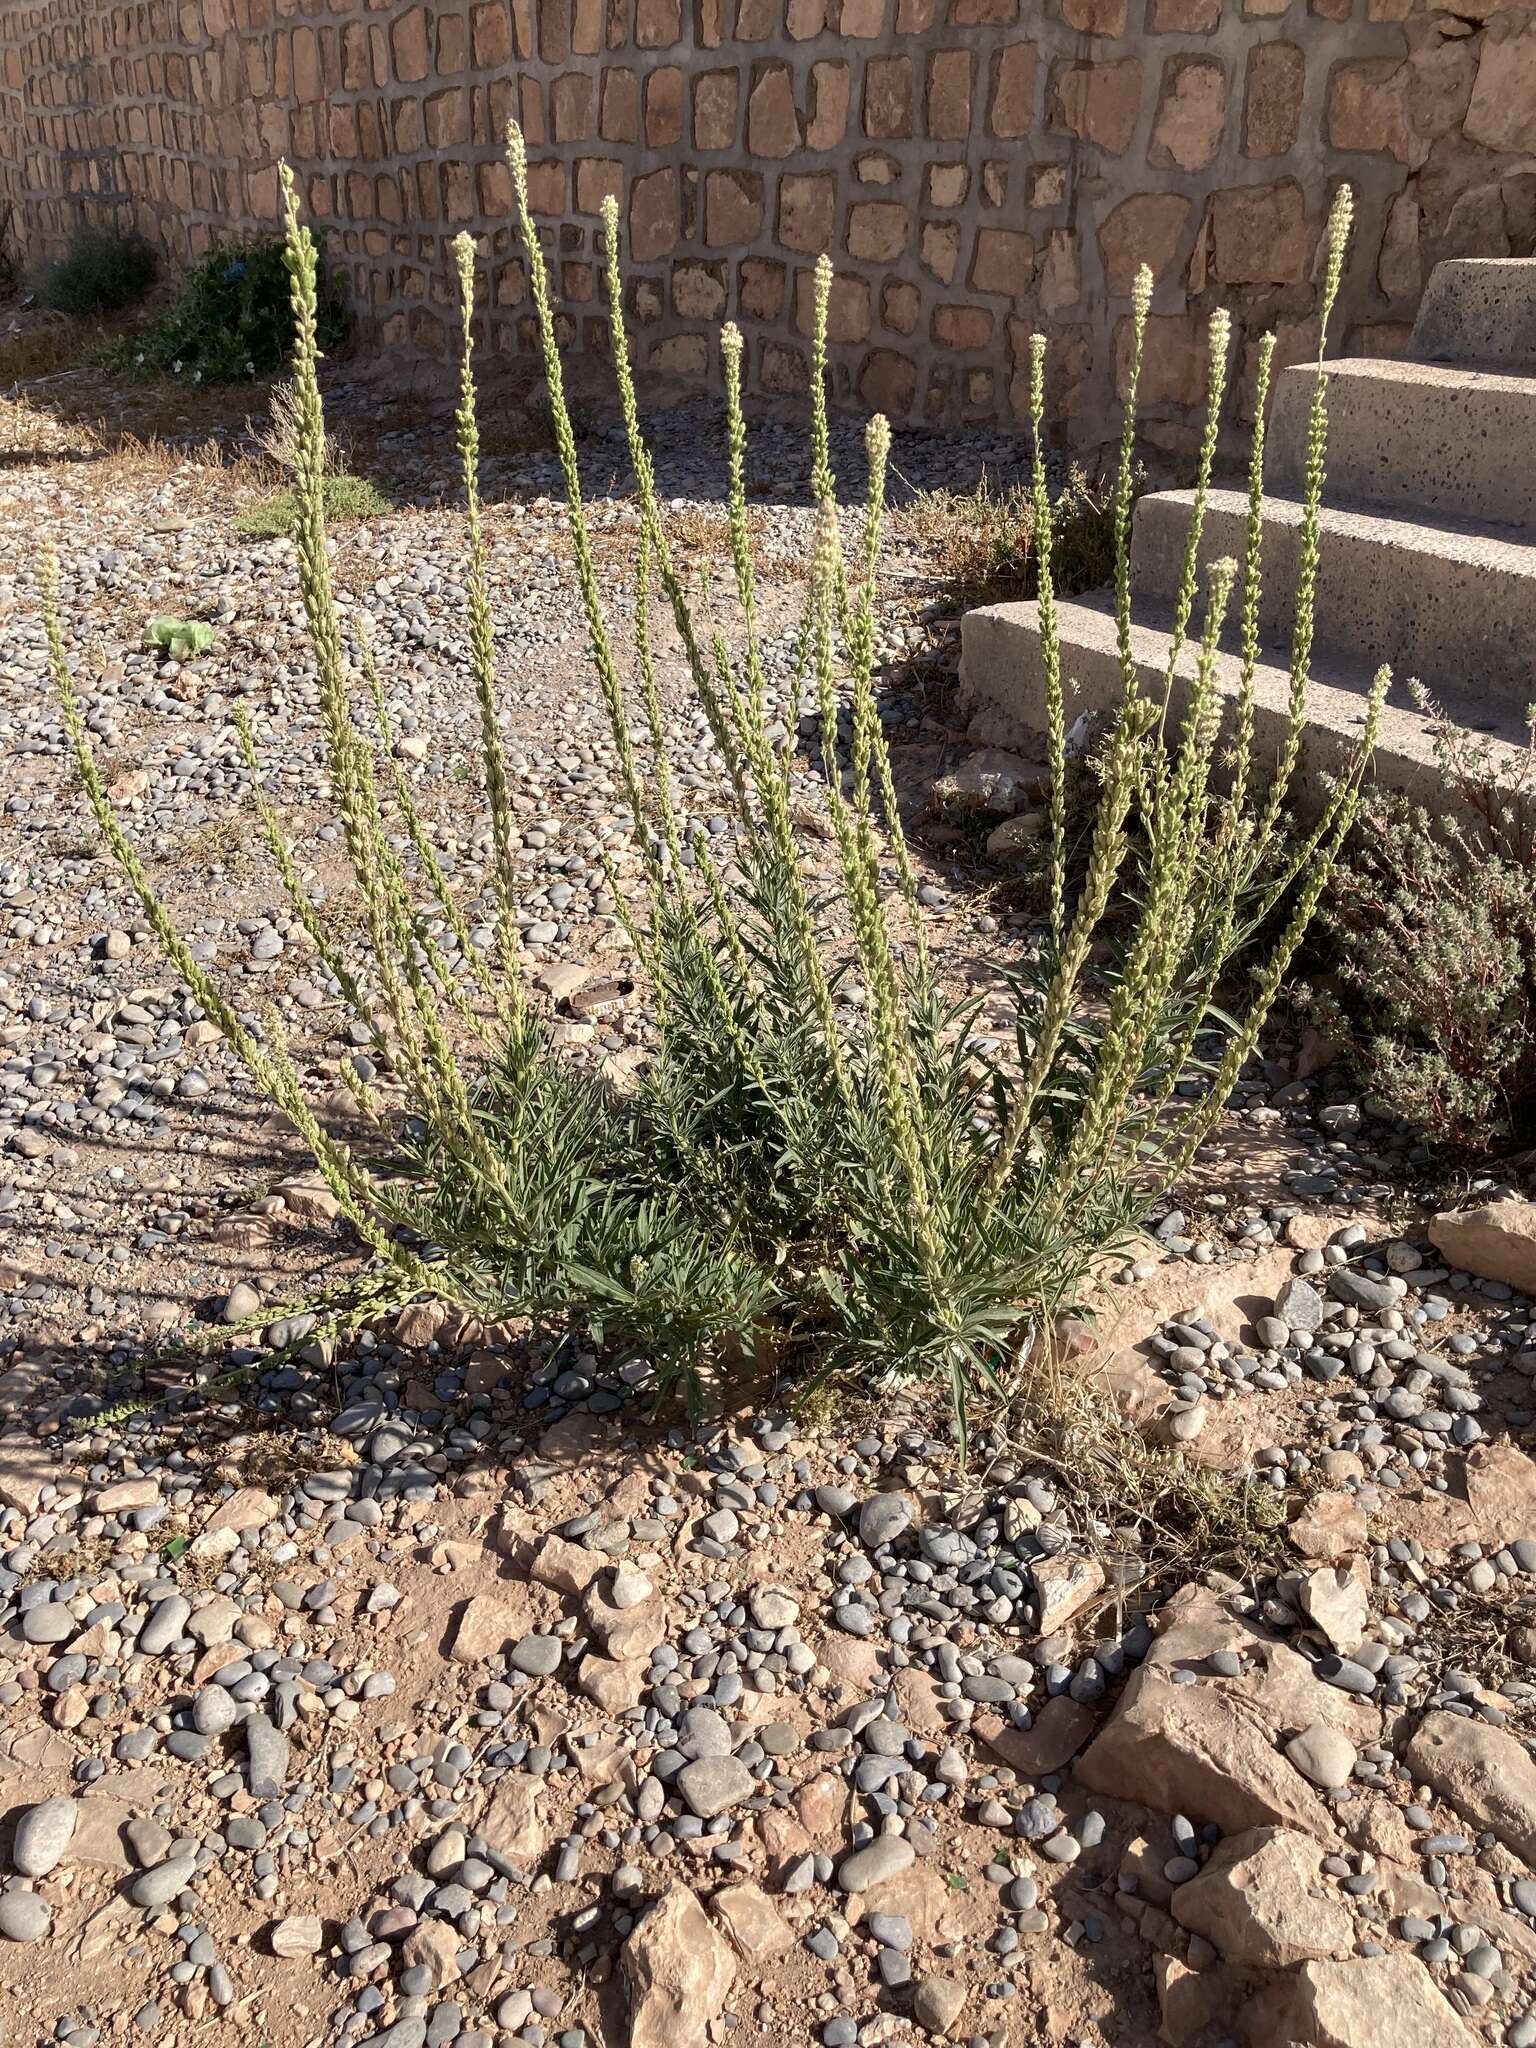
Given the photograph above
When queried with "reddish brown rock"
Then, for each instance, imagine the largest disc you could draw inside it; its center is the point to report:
(1196, 1750)
(664, 107)
(612, 1683)
(828, 122)
(1502, 114)
(511, 1822)
(773, 126)
(408, 44)
(1095, 17)
(1335, 1600)
(921, 1894)
(1368, 109)
(653, 215)
(597, 178)
(1013, 90)
(698, 291)
(1055, 1736)
(938, 2004)
(1146, 228)
(569, 1567)
(714, 110)
(1182, 17)
(1062, 1588)
(1261, 234)
(1173, 369)
(1498, 1240)
(98, 1837)
(733, 207)
(1004, 261)
(1100, 102)
(1367, 2002)
(939, 248)
(1277, 76)
(1210, 1749)
(808, 212)
(753, 1923)
(1191, 114)
(679, 1972)
(1331, 1526)
(888, 98)
(878, 230)
(685, 355)
(899, 306)
(570, 107)
(626, 1632)
(949, 95)
(1261, 1902)
(1500, 1481)
(485, 1627)
(658, 23)
(1196, 2006)
(1486, 1773)
(247, 1508)
(822, 1803)
(433, 1946)
(25, 1469)
(1061, 277)
(961, 326)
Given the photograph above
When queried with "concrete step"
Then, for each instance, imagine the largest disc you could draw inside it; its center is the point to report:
(1479, 309)
(1002, 685)
(1430, 437)
(1452, 604)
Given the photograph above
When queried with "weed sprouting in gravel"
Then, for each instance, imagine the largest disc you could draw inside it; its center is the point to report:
(176, 639)
(275, 514)
(349, 500)
(828, 1186)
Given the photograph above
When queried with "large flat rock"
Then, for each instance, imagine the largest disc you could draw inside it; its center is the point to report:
(1210, 1746)
(1486, 1773)
(1365, 2002)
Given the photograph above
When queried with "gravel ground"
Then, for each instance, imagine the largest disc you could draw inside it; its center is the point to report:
(432, 1692)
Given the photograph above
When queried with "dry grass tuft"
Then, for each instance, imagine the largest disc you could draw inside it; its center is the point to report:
(983, 540)
(1478, 1634)
(43, 349)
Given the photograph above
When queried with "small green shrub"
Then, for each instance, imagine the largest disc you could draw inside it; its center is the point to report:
(828, 1186)
(1433, 926)
(102, 271)
(231, 319)
(348, 499)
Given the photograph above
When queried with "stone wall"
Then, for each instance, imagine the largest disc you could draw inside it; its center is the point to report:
(977, 168)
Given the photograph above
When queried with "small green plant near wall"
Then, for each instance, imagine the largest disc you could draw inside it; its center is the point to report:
(840, 1189)
(231, 320)
(102, 271)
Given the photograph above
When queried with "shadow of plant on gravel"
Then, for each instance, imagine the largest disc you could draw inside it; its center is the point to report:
(840, 1189)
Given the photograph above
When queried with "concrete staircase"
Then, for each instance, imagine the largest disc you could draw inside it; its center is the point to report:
(1428, 549)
